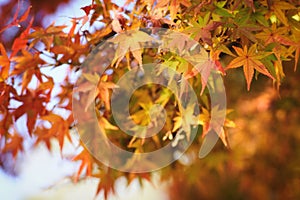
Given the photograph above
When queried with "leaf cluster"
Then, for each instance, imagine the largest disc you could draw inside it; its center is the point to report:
(255, 35)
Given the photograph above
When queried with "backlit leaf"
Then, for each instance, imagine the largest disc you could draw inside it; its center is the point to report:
(250, 60)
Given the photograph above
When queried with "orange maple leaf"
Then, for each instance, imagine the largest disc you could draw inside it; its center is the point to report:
(21, 42)
(59, 129)
(86, 162)
(250, 60)
(174, 5)
(32, 106)
(14, 145)
(106, 183)
(4, 63)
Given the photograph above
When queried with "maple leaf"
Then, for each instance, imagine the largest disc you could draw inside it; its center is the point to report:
(297, 55)
(16, 21)
(87, 9)
(21, 42)
(104, 125)
(205, 70)
(97, 87)
(250, 60)
(46, 36)
(116, 26)
(25, 15)
(75, 21)
(213, 123)
(185, 120)
(202, 29)
(86, 162)
(141, 176)
(277, 38)
(217, 123)
(103, 92)
(174, 5)
(27, 64)
(204, 66)
(14, 144)
(142, 116)
(7, 92)
(66, 51)
(26, 61)
(66, 92)
(4, 63)
(43, 135)
(59, 129)
(279, 7)
(296, 47)
(246, 29)
(215, 57)
(275, 35)
(32, 106)
(177, 42)
(130, 41)
(106, 182)
(150, 117)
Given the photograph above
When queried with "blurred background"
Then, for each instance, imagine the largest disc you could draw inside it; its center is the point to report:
(264, 159)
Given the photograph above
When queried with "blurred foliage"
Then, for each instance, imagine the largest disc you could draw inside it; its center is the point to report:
(264, 160)
(39, 9)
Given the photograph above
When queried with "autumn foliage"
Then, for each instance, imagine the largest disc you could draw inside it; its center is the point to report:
(257, 36)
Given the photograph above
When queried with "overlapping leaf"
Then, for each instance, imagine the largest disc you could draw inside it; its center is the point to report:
(130, 42)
